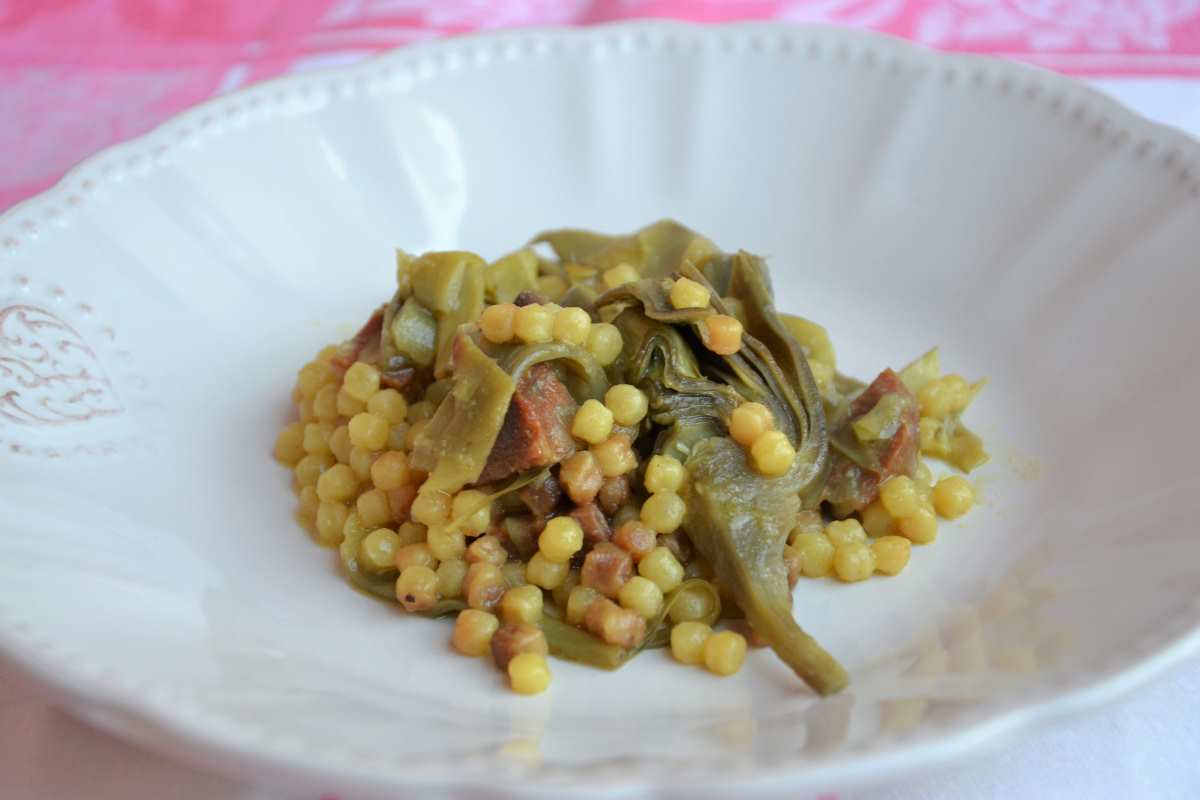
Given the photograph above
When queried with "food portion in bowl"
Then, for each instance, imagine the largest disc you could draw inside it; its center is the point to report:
(615, 446)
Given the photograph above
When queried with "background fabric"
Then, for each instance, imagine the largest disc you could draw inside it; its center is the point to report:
(77, 75)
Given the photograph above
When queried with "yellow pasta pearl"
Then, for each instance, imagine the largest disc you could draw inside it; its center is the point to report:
(664, 474)
(473, 510)
(325, 403)
(313, 376)
(724, 653)
(687, 293)
(899, 496)
(388, 404)
(534, 324)
(415, 430)
(641, 595)
(289, 445)
(528, 673)
(415, 555)
(310, 469)
(473, 630)
(309, 502)
(347, 405)
(572, 325)
(337, 484)
(368, 431)
(920, 528)
(522, 604)
(445, 543)
(316, 437)
(450, 575)
(361, 381)
(663, 512)
(361, 462)
(953, 497)
(853, 562)
(722, 334)
(619, 275)
(578, 602)
(661, 566)
(411, 533)
(545, 573)
(891, 554)
(844, 532)
(604, 343)
(772, 454)
(431, 508)
(498, 323)
(561, 539)
(749, 421)
(373, 509)
(628, 404)
(688, 640)
(377, 550)
(390, 471)
(876, 520)
(331, 518)
(615, 456)
(593, 422)
(339, 444)
(416, 589)
(816, 554)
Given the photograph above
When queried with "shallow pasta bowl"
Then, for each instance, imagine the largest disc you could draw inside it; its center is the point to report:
(155, 305)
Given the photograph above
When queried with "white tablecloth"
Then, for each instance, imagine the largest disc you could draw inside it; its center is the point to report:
(1147, 746)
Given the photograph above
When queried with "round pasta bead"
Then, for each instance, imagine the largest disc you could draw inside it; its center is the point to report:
(615, 456)
(845, 531)
(451, 574)
(472, 510)
(498, 322)
(690, 604)
(687, 293)
(431, 508)
(309, 503)
(360, 462)
(619, 275)
(572, 325)
(953, 497)
(578, 602)
(545, 573)
(899, 496)
(724, 653)
(331, 519)
(337, 484)
(445, 542)
(417, 554)
(289, 444)
(411, 533)
(325, 403)
(561, 539)
(483, 586)
(361, 381)
(627, 403)
(416, 589)
(920, 528)
(876, 520)
(415, 429)
(816, 554)
(316, 438)
(661, 566)
(369, 431)
(313, 376)
(891, 554)
(664, 474)
(373, 509)
(772, 454)
(310, 469)
(688, 640)
(389, 405)
(377, 550)
(487, 548)
(339, 444)
(641, 595)
(473, 631)
(390, 471)
(528, 673)
(604, 343)
(663, 512)
(348, 405)
(534, 324)
(522, 604)
(397, 436)
(853, 562)
(750, 421)
(593, 422)
(722, 334)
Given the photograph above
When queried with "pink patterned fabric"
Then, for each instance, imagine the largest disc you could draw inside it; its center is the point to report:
(76, 75)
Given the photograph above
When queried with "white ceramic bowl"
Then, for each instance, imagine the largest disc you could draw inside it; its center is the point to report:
(150, 570)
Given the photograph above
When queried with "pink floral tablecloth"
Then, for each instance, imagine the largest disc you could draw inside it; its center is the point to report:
(77, 75)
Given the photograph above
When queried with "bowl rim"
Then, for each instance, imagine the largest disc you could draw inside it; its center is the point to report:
(152, 716)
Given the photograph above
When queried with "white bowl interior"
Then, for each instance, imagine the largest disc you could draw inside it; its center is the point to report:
(1029, 228)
